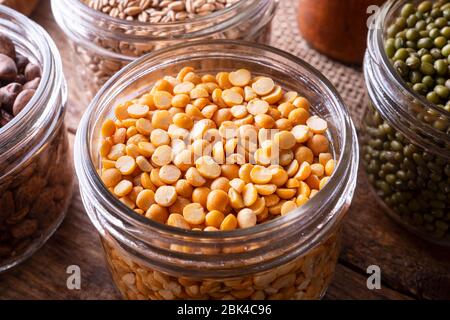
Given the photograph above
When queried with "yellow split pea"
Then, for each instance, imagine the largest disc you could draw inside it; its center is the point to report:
(215, 152)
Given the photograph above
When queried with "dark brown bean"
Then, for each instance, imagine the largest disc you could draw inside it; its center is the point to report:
(5, 250)
(20, 79)
(22, 99)
(8, 95)
(32, 71)
(21, 62)
(5, 117)
(18, 216)
(8, 68)
(25, 229)
(3, 235)
(33, 84)
(7, 205)
(7, 47)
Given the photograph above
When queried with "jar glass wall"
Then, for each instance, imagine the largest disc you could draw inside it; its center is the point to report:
(291, 257)
(35, 162)
(405, 143)
(105, 44)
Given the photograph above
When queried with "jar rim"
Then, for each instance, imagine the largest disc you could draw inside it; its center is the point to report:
(39, 113)
(346, 167)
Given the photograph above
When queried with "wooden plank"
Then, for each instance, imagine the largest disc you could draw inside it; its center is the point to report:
(348, 284)
(407, 263)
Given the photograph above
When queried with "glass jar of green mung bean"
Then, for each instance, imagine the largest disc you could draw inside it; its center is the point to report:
(406, 137)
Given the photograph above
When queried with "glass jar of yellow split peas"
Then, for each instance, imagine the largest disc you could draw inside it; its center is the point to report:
(36, 173)
(200, 166)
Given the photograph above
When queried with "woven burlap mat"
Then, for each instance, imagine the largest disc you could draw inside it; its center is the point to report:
(347, 80)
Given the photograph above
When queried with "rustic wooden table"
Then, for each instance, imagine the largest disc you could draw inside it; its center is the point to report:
(410, 267)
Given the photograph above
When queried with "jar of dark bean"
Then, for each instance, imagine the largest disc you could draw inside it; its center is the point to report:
(406, 139)
(35, 164)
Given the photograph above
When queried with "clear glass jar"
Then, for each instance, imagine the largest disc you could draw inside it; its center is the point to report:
(405, 143)
(105, 44)
(291, 257)
(36, 172)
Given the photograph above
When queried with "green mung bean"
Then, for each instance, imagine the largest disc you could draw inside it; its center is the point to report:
(414, 183)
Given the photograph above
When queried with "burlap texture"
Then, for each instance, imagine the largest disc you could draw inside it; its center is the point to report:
(347, 80)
